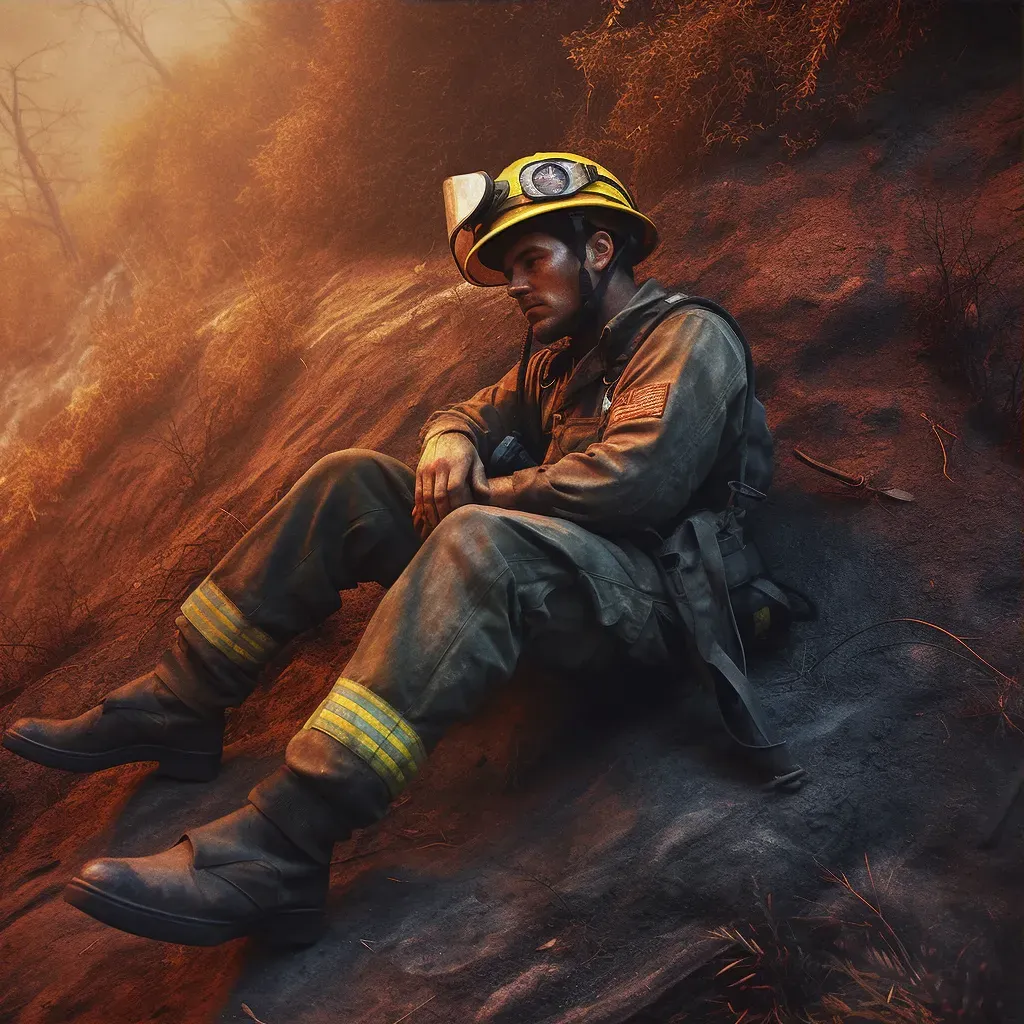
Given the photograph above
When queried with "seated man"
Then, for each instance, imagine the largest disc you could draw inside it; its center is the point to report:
(633, 428)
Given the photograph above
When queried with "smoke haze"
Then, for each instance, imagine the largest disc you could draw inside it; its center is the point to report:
(90, 66)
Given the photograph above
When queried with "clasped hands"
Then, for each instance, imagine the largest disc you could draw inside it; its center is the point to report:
(450, 474)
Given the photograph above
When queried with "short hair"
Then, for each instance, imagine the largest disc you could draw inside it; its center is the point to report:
(558, 224)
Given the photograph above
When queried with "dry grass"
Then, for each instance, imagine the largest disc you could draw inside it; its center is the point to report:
(847, 966)
(294, 134)
(151, 357)
(667, 80)
(139, 354)
(38, 290)
(252, 347)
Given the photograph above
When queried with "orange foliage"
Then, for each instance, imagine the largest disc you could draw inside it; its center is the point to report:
(173, 174)
(400, 95)
(138, 355)
(669, 79)
(37, 289)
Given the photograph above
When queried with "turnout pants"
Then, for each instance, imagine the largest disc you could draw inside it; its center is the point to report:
(462, 606)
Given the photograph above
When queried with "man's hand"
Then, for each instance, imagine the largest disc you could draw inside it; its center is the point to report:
(448, 474)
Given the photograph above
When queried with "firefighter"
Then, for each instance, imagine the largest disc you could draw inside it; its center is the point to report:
(615, 430)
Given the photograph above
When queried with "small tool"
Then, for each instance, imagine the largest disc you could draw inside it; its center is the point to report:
(859, 482)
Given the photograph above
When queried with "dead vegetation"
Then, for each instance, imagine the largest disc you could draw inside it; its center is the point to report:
(399, 95)
(668, 80)
(156, 354)
(846, 963)
(33, 643)
(138, 354)
(969, 316)
(297, 136)
(251, 349)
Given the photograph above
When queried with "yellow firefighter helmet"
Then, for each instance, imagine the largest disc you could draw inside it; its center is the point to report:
(479, 208)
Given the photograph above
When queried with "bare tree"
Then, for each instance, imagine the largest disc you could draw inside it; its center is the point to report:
(32, 168)
(129, 22)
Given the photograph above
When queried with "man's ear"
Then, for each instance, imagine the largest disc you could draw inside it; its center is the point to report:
(600, 250)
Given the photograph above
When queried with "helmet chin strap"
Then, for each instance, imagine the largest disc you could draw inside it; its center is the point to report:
(590, 303)
(591, 295)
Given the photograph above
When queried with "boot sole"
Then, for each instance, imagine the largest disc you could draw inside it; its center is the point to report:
(300, 927)
(187, 765)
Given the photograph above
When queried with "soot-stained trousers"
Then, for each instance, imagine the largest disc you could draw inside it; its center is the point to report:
(628, 439)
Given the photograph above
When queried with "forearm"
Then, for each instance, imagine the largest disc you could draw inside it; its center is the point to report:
(485, 418)
(448, 421)
(610, 490)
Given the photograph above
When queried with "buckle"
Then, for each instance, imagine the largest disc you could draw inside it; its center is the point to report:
(791, 782)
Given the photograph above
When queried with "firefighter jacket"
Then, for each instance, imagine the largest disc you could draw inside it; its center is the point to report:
(632, 437)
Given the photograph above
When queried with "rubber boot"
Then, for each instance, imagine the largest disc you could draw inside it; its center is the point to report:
(141, 721)
(239, 875)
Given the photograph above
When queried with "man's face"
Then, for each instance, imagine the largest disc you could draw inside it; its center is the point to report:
(543, 277)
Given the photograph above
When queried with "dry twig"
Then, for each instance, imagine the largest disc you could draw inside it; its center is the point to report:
(936, 427)
(406, 1016)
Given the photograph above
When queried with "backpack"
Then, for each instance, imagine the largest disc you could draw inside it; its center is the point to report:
(734, 594)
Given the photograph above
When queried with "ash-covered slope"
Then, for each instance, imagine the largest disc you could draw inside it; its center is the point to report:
(563, 857)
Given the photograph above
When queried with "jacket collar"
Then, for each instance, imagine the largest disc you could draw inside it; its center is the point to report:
(616, 336)
(624, 326)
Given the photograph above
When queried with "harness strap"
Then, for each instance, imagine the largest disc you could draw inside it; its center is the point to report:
(767, 587)
(695, 576)
(701, 584)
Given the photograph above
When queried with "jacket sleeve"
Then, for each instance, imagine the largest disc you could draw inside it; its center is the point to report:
(676, 406)
(490, 414)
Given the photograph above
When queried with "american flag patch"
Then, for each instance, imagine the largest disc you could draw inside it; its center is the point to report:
(635, 402)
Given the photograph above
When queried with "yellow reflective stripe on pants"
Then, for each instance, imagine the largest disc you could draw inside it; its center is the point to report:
(219, 620)
(372, 729)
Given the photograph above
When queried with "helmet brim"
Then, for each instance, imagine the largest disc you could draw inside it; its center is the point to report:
(479, 273)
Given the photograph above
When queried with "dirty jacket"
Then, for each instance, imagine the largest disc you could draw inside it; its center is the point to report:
(629, 438)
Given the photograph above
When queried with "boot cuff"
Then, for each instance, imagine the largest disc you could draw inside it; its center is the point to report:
(300, 813)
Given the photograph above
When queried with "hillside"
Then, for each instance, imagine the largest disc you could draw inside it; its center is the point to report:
(564, 859)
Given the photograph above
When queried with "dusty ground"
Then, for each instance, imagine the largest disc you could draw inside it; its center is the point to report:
(561, 860)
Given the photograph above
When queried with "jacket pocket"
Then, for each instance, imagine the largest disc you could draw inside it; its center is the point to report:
(576, 434)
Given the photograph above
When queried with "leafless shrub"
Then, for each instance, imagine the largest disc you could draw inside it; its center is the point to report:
(46, 634)
(190, 459)
(969, 319)
(192, 440)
